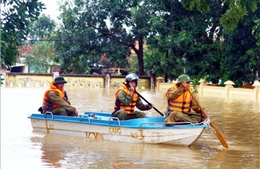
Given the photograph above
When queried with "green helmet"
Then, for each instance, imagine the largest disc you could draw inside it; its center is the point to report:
(183, 78)
(59, 80)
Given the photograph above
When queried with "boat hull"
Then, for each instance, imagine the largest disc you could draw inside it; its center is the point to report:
(100, 128)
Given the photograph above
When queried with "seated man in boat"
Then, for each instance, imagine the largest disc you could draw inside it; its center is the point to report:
(127, 99)
(180, 103)
(56, 100)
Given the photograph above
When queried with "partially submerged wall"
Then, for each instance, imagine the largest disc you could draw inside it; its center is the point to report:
(73, 80)
(228, 91)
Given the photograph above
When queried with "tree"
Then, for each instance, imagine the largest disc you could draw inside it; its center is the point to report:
(256, 31)
(190, 40)
(240, 51)
(180, 35)
(42, 57)
(16, 16)
(42, 28)
(230, 12)
(39, 50)
(235, 22)
(120, 25)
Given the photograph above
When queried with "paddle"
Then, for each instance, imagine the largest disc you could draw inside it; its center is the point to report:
(217, 132)
(148, 102)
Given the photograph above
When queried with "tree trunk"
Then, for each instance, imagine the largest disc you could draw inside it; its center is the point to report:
(166, 73)
(140, 56)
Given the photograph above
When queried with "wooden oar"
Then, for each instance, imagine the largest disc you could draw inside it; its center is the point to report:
(218, 134)
(148, 102)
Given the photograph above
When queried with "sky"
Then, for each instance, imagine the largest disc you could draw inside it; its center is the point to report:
(51, 8)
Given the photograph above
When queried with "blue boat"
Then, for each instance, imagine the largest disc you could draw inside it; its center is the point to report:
(100, 126)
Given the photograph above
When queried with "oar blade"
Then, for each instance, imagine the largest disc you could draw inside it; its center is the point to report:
(219, 135)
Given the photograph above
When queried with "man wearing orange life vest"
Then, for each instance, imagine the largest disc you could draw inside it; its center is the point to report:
(56, 101)
(180, 103)
(127, 99)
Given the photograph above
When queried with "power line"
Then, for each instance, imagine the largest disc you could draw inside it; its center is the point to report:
(53, 40)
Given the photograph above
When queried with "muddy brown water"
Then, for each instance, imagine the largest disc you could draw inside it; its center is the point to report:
(21, 147)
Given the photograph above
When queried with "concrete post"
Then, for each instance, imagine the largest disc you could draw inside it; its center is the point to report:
(55, 71)
(152, 80)
(107, 80)
(3, 76)
(228, 84)
(256, 90)
(202, 83)
(159, 80)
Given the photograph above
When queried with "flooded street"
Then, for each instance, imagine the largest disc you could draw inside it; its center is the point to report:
(238, 120)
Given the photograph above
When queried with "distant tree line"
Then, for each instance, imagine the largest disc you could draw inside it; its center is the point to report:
(205, 39)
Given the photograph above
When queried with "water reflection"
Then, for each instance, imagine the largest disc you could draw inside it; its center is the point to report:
(61, 151)
(51, 150)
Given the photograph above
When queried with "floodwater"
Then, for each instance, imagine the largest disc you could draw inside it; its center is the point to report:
(21, 147)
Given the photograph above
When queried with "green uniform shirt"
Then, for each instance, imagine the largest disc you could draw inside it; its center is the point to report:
(127, 99)
(55, 99)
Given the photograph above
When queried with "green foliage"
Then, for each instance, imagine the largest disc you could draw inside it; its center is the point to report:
(200, 5)
(193, 48)
(181, 36)
(133, 64)
(231, 12)
(43, 54)
(41, 57)
(78, 44)
(16, 17)
(256, 30)
(42, 28)
(97, 25)
(240, 56)
(77, 66)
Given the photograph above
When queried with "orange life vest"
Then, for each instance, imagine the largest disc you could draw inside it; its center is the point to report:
(119, 105)
(181, 103)
(47, 105)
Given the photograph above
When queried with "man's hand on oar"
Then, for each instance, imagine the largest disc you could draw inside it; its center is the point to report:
(217, 132)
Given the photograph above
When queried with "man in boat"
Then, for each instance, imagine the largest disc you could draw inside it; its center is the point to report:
(56, 100)
(180, 103)
(127, 99)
